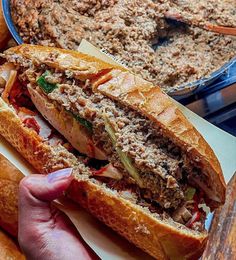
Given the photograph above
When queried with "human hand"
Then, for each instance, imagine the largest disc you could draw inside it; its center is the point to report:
(44, 231)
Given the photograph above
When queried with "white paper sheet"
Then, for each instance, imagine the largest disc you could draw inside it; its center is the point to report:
(104, 241)
(107, 244)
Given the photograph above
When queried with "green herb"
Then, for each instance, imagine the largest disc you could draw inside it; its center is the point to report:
(189, 193)
(126, 161)
(49, 87)
(83, 122)
(44, 85)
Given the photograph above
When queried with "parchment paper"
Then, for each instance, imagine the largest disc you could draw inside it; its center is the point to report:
(106, 243)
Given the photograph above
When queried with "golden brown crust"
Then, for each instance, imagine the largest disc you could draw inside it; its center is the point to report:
(30, 145)
(85, 66)
(8, 249)
(8, 206)
(8, 171)
(10, 177)
(119, 84)
(160, 240)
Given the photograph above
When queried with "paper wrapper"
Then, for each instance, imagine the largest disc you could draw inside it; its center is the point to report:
(106, 243)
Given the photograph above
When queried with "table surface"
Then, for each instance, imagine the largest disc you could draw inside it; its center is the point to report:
(222, 239)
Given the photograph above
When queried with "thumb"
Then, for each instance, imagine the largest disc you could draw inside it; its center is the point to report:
(37, 191)
(44, 231)
(46, 187)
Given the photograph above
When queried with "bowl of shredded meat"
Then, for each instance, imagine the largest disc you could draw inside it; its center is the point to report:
(179, 55)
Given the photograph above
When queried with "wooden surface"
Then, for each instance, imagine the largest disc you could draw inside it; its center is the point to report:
(222, 238)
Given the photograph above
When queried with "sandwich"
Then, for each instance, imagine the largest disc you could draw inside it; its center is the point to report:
(138, 164)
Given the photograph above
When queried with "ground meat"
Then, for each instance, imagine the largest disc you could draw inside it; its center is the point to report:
(131, 192)
(135, 32)
(63, 155)
(189, 54)
(212, 11)
(158, 161)
(161, 164)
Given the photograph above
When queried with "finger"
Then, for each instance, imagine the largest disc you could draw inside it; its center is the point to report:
(47, 187)
(37, 191)
(44, 230)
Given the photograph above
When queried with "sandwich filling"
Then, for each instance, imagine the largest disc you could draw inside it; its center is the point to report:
(121, 149)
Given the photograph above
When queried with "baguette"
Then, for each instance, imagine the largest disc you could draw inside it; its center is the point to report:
(10, 177)
(161, 237)
(8, 249)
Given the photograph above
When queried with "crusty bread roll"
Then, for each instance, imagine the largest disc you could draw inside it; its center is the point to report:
(10, 177)
(161, 238)
(8, 249)
(4, 33)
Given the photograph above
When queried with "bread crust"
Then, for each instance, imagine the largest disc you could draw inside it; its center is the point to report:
(160, 240)
(8, 206)
(10, 177)
(121, 85)
(9, 171)
(127, 219)
(8, 249)
(83, 65)
(30, 145)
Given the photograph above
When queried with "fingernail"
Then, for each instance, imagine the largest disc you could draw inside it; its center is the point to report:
(59, 175)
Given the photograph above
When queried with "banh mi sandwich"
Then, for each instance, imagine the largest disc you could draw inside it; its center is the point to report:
(139, 165)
